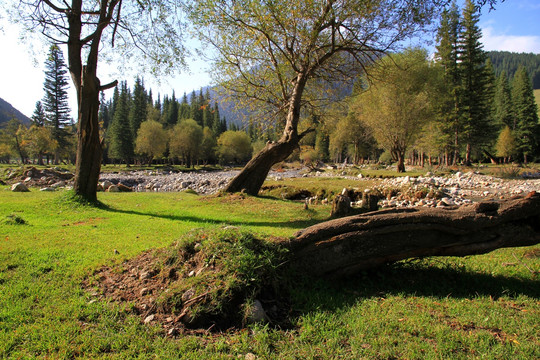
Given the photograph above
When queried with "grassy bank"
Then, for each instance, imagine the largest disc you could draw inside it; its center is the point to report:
(483, 306)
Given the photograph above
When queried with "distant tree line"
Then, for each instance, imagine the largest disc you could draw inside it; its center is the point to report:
(508, 62)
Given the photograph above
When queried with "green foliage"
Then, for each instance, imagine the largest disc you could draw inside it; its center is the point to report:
(151, 140)
(506, 143)
(395, 109)
(526, 114)
(14, 219)
(509, 62)
(119, 135)
(185, 140)
(234, 147)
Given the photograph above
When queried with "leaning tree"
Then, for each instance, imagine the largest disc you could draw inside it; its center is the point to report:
(280, 54)
(145, 30)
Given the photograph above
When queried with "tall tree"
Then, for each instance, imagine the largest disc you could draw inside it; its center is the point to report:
(89, 27)
(138, 107)
(55, 102)
(502, 103)
(447, 56)
(120, 137)
(474, 97)
(526, 114)
(277, 53)
(397, 108)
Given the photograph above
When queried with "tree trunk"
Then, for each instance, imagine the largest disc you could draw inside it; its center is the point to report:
(345, 246)
(253, 175)
(89, 148)
(400, 162)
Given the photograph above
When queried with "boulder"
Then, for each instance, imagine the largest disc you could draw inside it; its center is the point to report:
(19, 187)
(106, 185)
(113, 188)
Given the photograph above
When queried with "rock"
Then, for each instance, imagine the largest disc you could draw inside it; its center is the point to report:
(149, 318)
(113, 188)
(255, 313)
(47, 189)
(341, 205)
(19, 187)
(58, 184)
(106, 185)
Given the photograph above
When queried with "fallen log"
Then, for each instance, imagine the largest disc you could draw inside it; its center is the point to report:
(347, 245)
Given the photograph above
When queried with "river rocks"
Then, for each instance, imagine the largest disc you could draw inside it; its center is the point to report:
(19, 187)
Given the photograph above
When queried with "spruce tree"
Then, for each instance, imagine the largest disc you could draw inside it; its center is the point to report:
(474, 79)
(447, 56)
(138, 108)
(55, 102)
(120, 137)
(39, 118)
(526, 114)
(502, 103)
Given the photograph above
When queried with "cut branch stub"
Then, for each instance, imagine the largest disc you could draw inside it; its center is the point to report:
(345, 246)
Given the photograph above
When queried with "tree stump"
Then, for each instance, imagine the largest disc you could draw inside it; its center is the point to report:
(341, 206)
(370, 202)
(347, 245)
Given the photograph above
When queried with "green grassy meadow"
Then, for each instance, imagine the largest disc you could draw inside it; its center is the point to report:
(438, 308)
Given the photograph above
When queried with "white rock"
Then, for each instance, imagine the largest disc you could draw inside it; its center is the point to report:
(113, 188)
(19, 187)
(149, 318)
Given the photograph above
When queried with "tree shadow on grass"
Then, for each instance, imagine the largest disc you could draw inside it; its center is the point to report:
(294, 224)
(404, 279)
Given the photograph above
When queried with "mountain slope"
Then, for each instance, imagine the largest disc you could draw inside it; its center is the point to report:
(7, 112)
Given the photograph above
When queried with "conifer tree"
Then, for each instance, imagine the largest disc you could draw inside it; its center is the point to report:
(138, 108)
(502, 103)
(526, 114)
(39, 118)
(447, 56)
(55, 101)
(474, 80)
(120, 137)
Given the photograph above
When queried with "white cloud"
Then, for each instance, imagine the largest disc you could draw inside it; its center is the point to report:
(514, 43)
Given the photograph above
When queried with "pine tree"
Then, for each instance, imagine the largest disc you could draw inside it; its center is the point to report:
(39, 118)
(502, 103)
(55, 102)
(447, 56)
(474, 102)
(120, 138)
(526, 114)
(138, 109)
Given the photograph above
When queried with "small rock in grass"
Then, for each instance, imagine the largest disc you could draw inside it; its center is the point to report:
(19, 187)
(149, 318)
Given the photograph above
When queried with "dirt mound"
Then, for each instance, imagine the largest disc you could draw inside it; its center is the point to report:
(207, 281)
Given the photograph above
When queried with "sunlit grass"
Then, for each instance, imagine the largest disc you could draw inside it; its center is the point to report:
(474, 307)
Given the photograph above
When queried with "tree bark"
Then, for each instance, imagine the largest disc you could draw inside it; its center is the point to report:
(89, 147)
(253, 175)
(345, 246)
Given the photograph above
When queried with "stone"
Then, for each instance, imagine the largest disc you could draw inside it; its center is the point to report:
(47, 189)
(106, 185)
(341, 205)
(255, 313)
(58, 184)
(113, 188)
(19, 187)
(149, 318)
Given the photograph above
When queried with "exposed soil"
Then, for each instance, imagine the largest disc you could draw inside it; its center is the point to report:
(148, 282)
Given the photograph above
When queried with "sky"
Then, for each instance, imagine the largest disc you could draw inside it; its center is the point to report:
(513, 26)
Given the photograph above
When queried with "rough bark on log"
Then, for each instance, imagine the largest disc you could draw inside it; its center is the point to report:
(347, 245)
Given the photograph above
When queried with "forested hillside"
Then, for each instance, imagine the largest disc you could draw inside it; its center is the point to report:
(509, 62)
(7, 112)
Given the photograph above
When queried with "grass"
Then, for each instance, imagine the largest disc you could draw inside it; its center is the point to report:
(537, 98)
(474, 307)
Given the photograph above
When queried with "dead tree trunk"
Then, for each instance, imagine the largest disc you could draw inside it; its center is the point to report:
(344, 246)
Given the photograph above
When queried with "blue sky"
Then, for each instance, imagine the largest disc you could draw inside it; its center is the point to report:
(513, 26)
